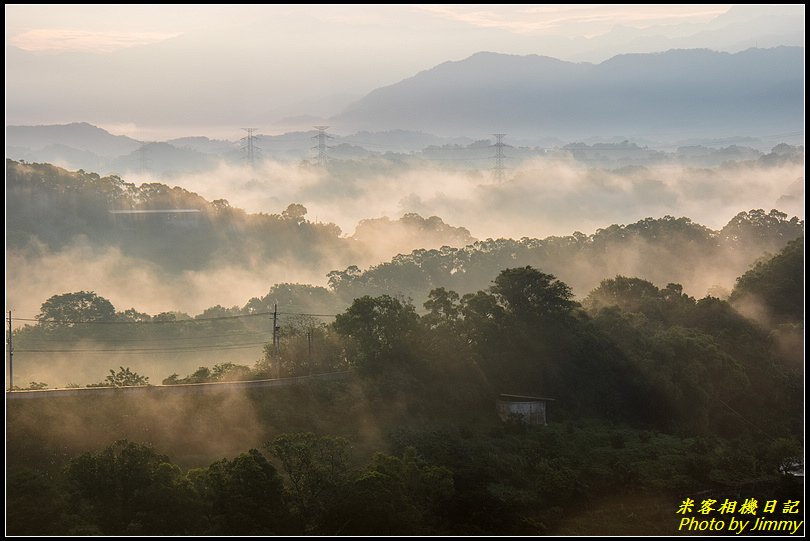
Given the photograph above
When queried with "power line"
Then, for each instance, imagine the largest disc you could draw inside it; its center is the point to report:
(152, 340)
(150, 322)
(148, 350)
(741, 416)
(165, 322)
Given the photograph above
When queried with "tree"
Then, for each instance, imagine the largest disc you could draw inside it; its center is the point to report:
(244, 494)
(201, 375)
(383, 329)
(131, 488)
(317, 469)
(307, 346)
(69, 309)
(777, 284)
(131, 315)
(629, 294)
(33, 504)
(443, 306)
(295, 212)
(230, 372)
(123, 378)
(528, 292)
(399, 495)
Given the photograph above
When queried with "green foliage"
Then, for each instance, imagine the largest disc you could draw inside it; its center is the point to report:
(52, 206)
(220, 372)
(131, 315)
(317, 471)
(123, 378)
(705, 367)
(435, 481)
(34, 504)
(777, 283)
(382, 329)
(770, 230)
(243, 496)
(784, 455)
(443, 308)
(129, 488)
(71, 309)
(667, 249)
(306, 346)
(628, 294)
(529, 293)
(230, 372)
(396, 496)
(33, 386)
(295, 212)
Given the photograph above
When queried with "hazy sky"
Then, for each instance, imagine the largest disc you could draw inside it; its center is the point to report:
(151, 71)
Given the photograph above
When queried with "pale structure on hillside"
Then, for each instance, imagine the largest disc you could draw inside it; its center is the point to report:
(528, 409)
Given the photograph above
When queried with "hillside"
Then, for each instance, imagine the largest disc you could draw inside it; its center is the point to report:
(654, 391)
(693, 92)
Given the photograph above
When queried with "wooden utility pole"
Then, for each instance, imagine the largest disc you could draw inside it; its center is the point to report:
(275, 339)
(309, 350)
(10, 356)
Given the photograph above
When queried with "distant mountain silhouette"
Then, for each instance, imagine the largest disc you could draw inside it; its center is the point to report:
(687, 92)
(78, 135)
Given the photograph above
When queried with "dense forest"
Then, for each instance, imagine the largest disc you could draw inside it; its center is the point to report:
(175, 245)
(673, 354)
(178, 230)
(656, 392)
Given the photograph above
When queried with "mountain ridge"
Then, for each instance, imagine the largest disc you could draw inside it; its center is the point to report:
(677, 92)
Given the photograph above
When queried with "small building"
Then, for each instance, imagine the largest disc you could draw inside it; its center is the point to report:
(529, 409)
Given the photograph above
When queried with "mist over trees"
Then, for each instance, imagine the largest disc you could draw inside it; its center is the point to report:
(661, 250)
(176, 245)
(656, 392)
(370, 314)
(673, 352)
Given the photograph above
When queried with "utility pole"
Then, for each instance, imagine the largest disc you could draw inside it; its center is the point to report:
(322, 136)
(275, 339)
(309, 350)
(249, 146)
(10, 355)
(500, 168)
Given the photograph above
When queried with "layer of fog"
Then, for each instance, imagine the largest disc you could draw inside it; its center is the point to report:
(34, 276)
(543, 197)
(89, 362)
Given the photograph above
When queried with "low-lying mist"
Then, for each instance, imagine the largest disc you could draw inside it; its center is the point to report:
(541, 197)
(34, 276)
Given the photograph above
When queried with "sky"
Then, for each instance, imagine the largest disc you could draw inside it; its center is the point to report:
(154, 71)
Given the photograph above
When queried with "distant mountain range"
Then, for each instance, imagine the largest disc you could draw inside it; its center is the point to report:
(670, 95)
(694, 96)
(78, 136)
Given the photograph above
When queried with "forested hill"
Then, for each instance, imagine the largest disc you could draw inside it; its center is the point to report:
(704, 91)
(49, 209)
(179, 230)
(661, 250)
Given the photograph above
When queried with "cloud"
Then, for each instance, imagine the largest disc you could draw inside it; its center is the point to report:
(589, 19)
(75, 40)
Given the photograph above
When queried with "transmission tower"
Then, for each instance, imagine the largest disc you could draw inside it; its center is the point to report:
(249, 146)
(321, 137)
(499, 169)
